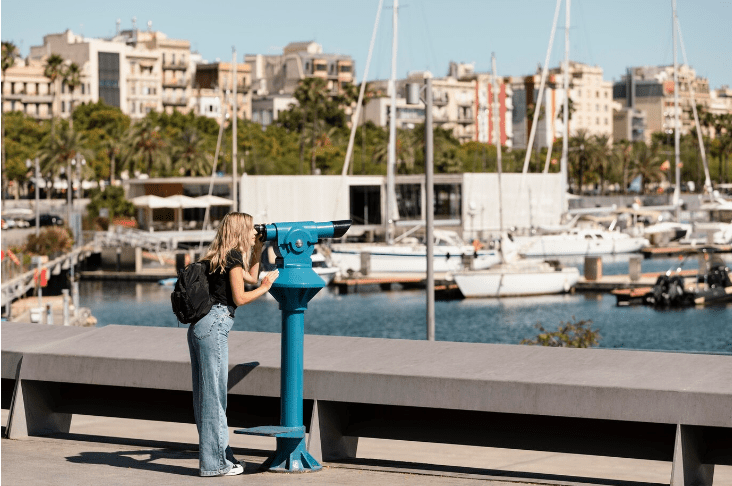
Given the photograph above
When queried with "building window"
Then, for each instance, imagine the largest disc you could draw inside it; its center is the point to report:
(132, 107)
(597, 94)
(63, 107)
(163, 58)
(605, 121)
(345, 69)
(82, 88)
(172, 58)
(597, 107)
(597, 121)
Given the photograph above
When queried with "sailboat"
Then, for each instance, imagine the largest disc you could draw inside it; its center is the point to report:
(515, 275)
(403, 253)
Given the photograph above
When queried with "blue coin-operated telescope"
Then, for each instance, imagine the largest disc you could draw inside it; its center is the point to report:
(296, 285)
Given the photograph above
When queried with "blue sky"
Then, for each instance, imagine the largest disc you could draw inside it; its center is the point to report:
(613, 34)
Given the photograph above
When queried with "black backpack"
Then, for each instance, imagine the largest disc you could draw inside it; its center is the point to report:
(190, 298)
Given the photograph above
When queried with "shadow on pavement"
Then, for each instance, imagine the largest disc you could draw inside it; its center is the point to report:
(437, 469)
(154, 451)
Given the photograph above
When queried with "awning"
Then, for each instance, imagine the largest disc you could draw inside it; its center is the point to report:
(214, 201)
(152, 202)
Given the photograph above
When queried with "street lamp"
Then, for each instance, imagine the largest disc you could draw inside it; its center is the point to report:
(36, 179)
(413, 98)
(82, 161)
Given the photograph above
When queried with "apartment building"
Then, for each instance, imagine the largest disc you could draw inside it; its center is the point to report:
(720, 101)
(651, 90)
(462, 102)
(137, 71)
(281, 73)
(27, 89)
(590, 104)
(213, 87)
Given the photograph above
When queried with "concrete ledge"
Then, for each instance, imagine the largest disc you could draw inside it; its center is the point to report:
(664, 406)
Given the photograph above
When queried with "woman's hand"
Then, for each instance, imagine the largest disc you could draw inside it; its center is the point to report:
(269, 279)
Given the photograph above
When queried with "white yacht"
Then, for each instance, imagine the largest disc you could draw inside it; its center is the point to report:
(516, 276)
(579, 241)
(409, 255)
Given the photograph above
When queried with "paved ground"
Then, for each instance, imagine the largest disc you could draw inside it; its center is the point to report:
(131, 452)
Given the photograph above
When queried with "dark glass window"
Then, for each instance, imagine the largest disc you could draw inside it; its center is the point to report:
(409, 201)
(448, 201)
(366, 204)
(109, 78)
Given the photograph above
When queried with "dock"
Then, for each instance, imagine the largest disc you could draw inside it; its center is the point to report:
(608, 283)
(385, 281)
(665, 251)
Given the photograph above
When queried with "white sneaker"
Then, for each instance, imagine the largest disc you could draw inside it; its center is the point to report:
(236, 470)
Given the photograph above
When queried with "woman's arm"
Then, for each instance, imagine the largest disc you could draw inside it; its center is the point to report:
(252, 276)
(240, 295)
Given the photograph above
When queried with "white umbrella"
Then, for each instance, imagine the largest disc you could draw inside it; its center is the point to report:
(152, 202)
(181, 201)
(211, 200)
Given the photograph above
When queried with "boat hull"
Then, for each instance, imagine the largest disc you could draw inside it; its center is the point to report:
(491, 283)
(396, 260)
(553, 246)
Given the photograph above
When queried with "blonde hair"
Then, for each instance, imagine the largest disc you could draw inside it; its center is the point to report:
(233, 234)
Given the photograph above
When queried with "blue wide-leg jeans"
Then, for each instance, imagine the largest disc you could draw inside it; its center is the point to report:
(208, 342)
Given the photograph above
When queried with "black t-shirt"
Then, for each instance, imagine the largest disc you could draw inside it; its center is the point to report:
(219, 285)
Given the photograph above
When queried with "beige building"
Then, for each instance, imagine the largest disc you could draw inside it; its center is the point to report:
(461, 103)
(280, 74)
(591, 98)
(651, 90)
(213, 86)
(136, 71)
(25, 88)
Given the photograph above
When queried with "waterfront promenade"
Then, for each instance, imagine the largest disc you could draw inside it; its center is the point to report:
(113, 452)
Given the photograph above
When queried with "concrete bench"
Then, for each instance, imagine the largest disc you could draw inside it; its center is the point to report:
(645, 405)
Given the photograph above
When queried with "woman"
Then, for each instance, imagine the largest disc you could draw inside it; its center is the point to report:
(233, 259)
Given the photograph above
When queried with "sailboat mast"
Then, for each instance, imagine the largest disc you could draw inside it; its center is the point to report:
(391, 163)
(234, 154)
(497, 141)
(677, 134)
(565, 120)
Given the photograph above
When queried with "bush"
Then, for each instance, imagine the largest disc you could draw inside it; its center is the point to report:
(112, 198)
(576, 334)
(48, 241)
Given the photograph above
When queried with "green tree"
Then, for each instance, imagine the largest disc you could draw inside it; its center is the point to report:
(604, 156)
(9, 51)
(189, 154)
(23, 139)
(72, 79)
(111, 198)
(54, 70)
(311, 95)
(60, 150)
(580, 157)
(646, 163)
(147, 150)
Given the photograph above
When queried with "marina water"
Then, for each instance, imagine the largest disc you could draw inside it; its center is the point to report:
(401, 314)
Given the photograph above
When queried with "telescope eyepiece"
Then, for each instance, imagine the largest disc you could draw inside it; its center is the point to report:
(261, 231)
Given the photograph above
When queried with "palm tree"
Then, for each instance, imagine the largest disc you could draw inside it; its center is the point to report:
(646, 163)
(311, 94)
(147, 151)
(580, 156)
(59, 150)
(603, 155)
(114, 145)
(189, 154)
(9, 51)
(54, 71)
(71, 77)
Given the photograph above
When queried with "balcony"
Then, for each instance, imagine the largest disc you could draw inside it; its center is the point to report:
(175, 83)
(176, 66)
(175, 101)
